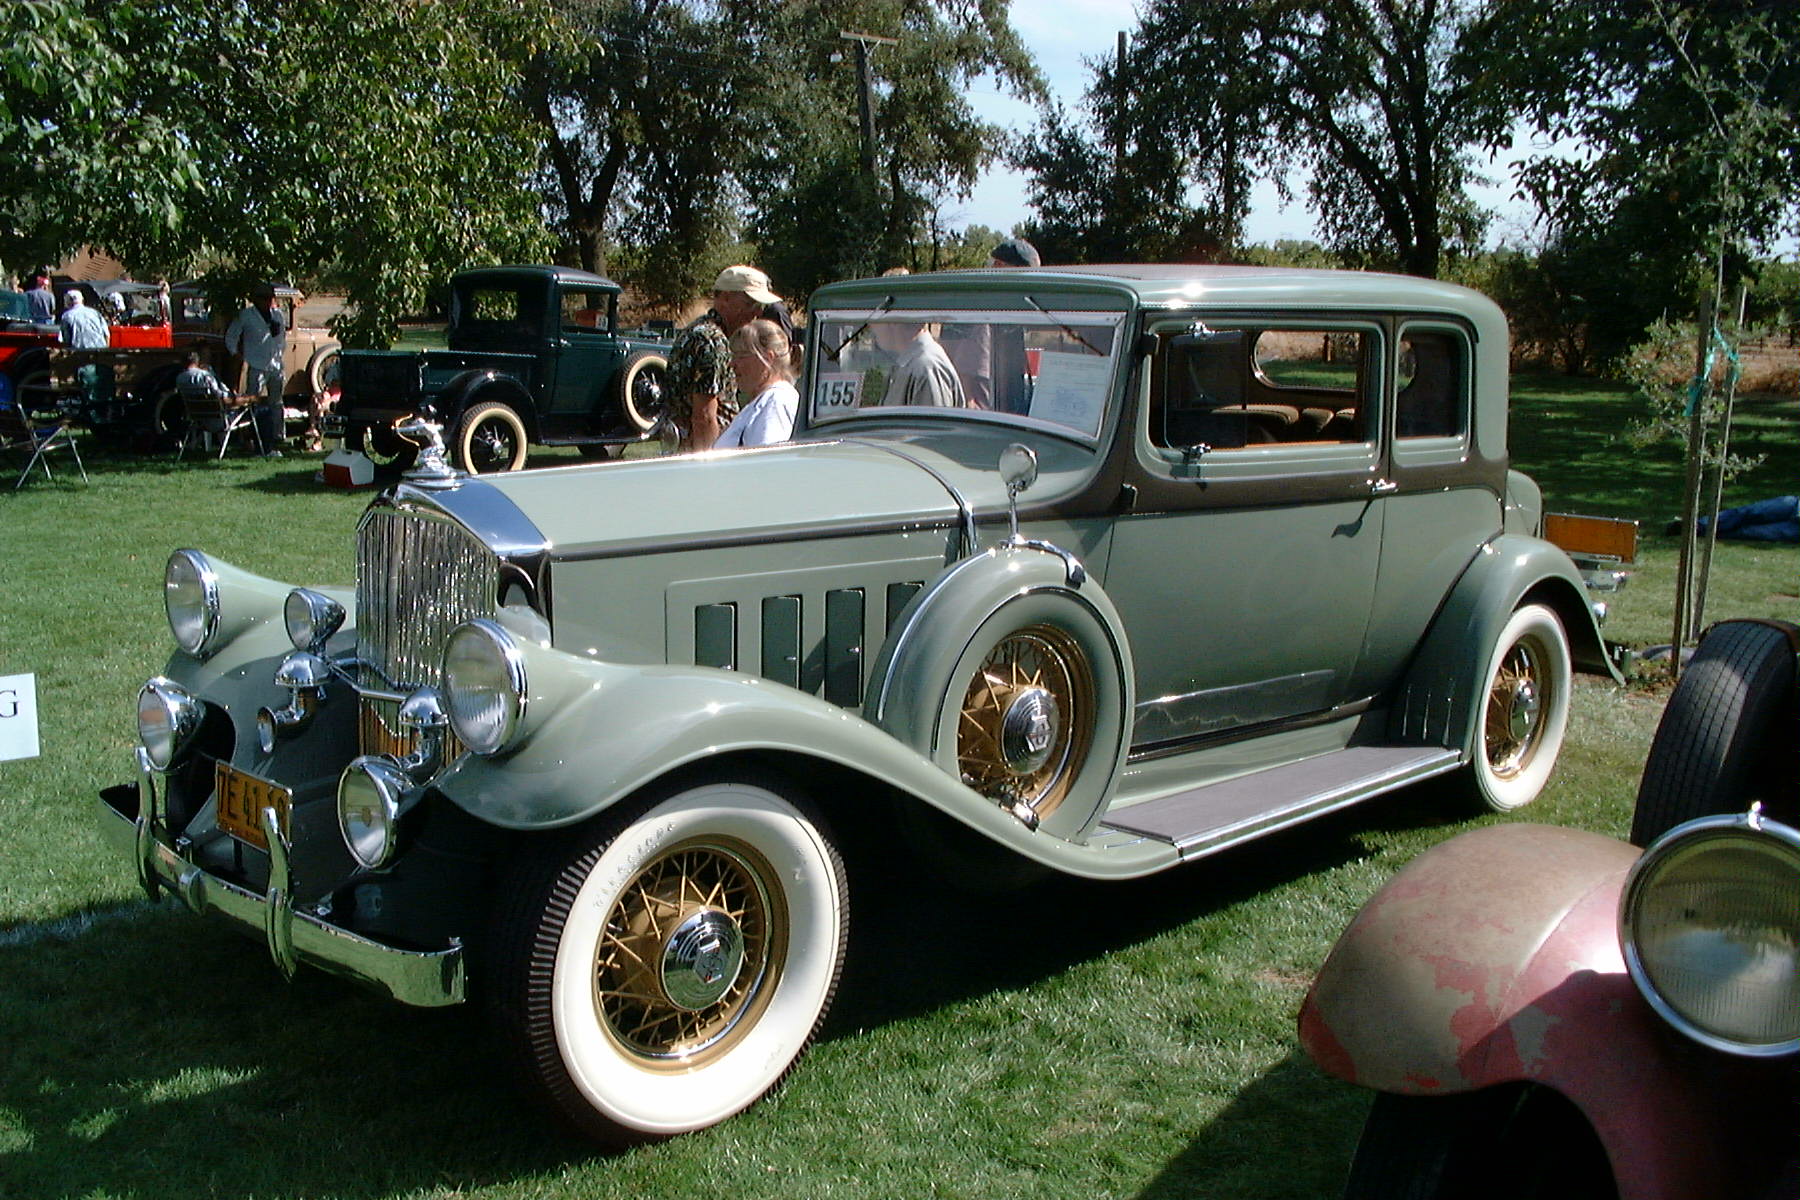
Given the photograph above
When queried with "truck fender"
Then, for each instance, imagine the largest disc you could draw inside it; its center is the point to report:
(1493, 958)
(610, 729)
(473, 386)
(1441, 699)
(1017, 636)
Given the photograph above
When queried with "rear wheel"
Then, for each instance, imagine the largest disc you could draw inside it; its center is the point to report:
(667, 966)
(168, 420)
(489, 438)
(383, 446)
(1727, 736)
(1525, 710)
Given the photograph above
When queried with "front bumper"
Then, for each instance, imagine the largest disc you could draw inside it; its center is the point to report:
(129, 823)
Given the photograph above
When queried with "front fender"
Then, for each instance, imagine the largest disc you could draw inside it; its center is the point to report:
(1441, 699)
(1494, 958)
(615, 728)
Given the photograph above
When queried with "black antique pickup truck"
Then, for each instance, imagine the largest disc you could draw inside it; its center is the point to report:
(535, 356)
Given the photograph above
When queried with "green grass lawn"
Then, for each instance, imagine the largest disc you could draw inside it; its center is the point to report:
(1078, 1040)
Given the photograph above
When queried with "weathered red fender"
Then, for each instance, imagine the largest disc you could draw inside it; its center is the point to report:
(1494, 958)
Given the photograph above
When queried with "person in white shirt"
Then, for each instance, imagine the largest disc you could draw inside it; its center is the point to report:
(82, 327)
(763, 361)
(922, 373)
(258, 335)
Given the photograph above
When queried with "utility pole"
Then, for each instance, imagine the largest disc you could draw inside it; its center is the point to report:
(866, 96)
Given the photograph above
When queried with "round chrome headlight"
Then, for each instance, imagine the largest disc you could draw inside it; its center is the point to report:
(191, 596)
(311, 618)
(484, 684)
(168, 716)
(369, 798)
(1710, 923)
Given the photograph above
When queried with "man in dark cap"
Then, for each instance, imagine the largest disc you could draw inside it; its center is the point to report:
(974, 352)
(1015, 252)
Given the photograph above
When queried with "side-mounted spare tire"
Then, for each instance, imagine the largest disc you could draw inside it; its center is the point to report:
(641, 388)
(1729, 733)
(1011, 671)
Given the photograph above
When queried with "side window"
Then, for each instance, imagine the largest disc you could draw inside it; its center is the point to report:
(1431, 384)
(1235, 388)
(584, 311)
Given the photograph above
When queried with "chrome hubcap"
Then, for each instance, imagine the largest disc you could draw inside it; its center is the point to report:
(701, 959)
(1028, 730)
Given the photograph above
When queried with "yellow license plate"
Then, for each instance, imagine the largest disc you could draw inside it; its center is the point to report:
(242, 799)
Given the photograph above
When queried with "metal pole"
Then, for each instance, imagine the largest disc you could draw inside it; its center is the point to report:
(1724, 442)
(1690, 500)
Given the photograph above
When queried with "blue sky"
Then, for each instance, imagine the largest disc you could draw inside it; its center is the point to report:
(1061, 34)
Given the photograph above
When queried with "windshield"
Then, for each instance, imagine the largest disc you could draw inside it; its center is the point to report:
(1051, 368)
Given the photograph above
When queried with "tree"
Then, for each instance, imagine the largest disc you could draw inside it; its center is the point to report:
(1382, 103)
(265, 148)
(64, 139)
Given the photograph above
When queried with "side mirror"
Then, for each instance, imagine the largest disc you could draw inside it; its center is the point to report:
(1019, 470)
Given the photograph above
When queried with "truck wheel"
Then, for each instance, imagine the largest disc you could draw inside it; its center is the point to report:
(1518, 1142)
(489, 438)
(382, 446)
(667, 965)
(32, 388)
(168, 419)
(1525, 711)
(641, 388)
(1727, 725)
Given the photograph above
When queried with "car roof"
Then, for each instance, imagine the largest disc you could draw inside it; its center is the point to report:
(570, 277)
(1177, 285)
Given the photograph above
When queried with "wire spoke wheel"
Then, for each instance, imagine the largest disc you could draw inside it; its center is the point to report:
(692, 947)
(1027, 718)
(1514, 724)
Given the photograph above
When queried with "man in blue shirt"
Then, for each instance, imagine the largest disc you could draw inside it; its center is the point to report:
(81, 327)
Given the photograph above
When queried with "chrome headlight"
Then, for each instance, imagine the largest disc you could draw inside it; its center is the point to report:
(168, 716)
(1710, 923)
(485, 685)
(370, 798)
(191, 596)
(311, 618)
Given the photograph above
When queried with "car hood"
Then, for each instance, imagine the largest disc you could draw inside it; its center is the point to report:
(807, 489)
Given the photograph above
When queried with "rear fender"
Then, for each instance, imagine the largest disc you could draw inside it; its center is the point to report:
(472, 387)
(1494, 959)
(1441, 699)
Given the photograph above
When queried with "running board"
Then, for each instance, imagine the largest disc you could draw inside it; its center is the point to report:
(1207, 819)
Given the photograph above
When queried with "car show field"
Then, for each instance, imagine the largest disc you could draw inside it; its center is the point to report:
(1145, 1049)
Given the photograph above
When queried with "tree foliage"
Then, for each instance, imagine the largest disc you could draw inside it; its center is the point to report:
(275, 138)
(1382, 105)
(674, 129)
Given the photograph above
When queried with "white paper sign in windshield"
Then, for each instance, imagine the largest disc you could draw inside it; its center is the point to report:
(1071, 389)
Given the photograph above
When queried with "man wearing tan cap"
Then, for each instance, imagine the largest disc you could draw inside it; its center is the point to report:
(702, 388)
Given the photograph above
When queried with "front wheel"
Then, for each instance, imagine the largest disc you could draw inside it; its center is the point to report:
(641, 388)
(669, 965)
(489, 438)
(1525, 710)
(1504, 1143)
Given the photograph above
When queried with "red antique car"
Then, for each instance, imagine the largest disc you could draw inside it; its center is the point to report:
(1548, 1012)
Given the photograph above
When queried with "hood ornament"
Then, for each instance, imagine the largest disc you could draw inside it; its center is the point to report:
(429, 469)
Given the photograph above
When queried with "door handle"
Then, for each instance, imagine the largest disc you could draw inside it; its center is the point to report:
(1383, 487)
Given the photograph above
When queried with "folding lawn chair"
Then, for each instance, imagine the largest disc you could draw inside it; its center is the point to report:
(19, 432)
(209, 413)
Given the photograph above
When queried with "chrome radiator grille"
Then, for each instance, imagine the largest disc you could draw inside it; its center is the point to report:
(418, 576)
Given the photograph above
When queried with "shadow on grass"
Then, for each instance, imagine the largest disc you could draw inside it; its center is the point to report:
(1291, 1125)
(159, 1056)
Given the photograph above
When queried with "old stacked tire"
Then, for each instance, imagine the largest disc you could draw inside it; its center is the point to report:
(1728, 735)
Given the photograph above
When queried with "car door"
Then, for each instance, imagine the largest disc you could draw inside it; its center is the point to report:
(587, 355)
(1246, 567)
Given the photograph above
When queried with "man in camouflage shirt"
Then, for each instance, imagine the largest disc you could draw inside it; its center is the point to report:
(702, 390)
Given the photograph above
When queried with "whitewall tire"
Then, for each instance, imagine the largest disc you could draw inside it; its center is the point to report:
(1525, 710)
(678, 962)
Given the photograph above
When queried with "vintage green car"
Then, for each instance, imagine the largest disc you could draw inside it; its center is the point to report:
(1151, 561)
